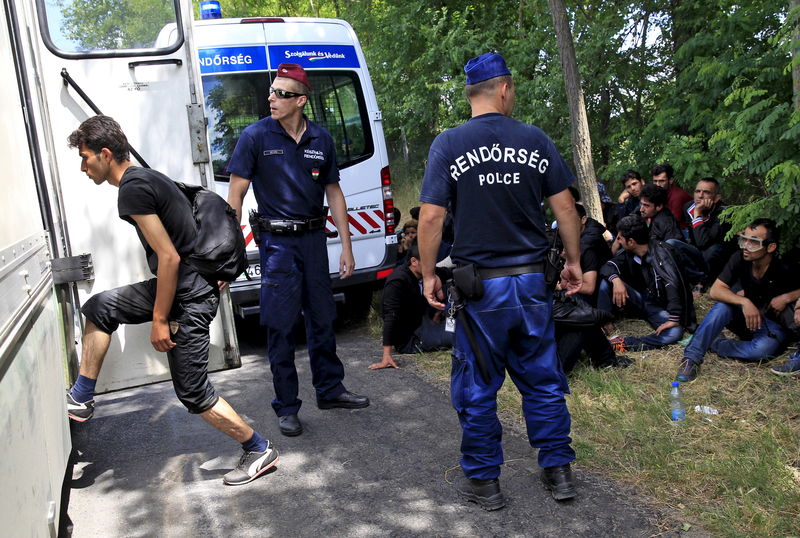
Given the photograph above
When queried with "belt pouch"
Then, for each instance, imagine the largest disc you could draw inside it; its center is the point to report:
(255, 226)
(469, 282)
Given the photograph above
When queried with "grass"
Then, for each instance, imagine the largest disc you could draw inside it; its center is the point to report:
(735, 474)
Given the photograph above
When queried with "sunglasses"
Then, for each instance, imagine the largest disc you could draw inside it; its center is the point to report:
(283, 94)
(752, 244)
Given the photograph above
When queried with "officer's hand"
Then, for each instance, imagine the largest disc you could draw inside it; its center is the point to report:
(432, 290)
(752, 317)
(222, 285)
(346, 264)
(620, 292)
(571, 278)
(159, 336)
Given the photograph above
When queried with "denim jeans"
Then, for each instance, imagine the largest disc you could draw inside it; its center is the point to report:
(649, 310)
(764, 344)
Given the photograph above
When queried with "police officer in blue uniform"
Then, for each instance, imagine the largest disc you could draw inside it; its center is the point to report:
(496, 172)
(292, 164)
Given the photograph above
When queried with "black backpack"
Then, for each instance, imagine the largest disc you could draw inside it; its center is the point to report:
(219, 250)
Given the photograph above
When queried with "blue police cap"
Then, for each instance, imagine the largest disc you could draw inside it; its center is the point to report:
(487, 65)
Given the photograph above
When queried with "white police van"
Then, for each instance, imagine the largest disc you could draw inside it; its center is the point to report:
(237, 60)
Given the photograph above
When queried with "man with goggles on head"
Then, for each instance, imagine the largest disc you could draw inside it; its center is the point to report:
(751, 292)
(292, 164)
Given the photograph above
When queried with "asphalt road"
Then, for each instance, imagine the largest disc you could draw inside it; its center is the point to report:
(147, 468)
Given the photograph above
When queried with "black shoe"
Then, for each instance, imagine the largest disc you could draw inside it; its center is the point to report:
(484, 492)
(559, 481)
(290, 425)
(347, 400)
(687, 372)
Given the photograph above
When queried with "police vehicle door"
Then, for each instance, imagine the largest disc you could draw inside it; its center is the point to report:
(136, 63)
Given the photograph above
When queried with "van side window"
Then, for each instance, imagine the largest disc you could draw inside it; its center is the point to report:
(336, 103)
(104, 28)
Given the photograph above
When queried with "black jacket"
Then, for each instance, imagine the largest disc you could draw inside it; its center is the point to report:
(711, 231)
(660, 276)
(403, 307)
(664, 226)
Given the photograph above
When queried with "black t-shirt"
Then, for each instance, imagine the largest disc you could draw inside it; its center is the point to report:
(776, 281)
(143, 191)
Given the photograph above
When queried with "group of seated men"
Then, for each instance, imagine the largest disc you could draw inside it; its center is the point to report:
(665, 241)
(667, 246)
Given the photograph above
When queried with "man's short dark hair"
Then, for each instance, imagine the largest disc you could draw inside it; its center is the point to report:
(773, 233)
(711, 180)
(414, 212)
(654, 194)
(487, 86)
(581, 210)
(576, 194)
(630, 174)
(661, 168)
(100, 132)
(634, 227)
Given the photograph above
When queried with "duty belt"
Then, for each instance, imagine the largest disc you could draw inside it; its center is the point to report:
(512, 270)
(291, 226)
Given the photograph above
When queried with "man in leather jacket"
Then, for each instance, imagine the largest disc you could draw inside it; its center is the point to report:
(647, 277)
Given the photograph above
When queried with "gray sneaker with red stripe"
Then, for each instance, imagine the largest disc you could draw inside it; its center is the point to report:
(79, 412)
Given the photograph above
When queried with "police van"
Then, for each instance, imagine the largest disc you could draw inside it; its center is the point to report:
(237, 60)
(61, 240)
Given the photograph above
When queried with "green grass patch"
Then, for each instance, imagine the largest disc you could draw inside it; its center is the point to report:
(736, 473)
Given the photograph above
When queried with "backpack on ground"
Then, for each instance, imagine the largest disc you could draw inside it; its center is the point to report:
(219, 250)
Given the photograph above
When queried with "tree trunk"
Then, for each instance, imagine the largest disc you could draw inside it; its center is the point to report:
(794, 7)
(581, 140)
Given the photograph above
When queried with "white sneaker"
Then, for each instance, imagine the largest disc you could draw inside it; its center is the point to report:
(251, 466)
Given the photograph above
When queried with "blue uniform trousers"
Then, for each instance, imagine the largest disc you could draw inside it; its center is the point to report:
(294, 275)
(513, 326)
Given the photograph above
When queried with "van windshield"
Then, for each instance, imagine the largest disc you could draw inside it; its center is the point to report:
(336, 103)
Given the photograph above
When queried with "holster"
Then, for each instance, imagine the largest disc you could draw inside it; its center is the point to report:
(468, 282)
(255, 226)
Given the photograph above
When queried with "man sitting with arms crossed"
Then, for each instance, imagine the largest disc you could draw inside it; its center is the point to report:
(751, 291)
(647, 276)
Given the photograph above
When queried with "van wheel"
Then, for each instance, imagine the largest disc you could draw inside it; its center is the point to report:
(357, 304)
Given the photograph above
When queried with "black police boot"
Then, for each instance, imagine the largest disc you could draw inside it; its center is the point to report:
(559, 481)
(290, 425)
(484, 492)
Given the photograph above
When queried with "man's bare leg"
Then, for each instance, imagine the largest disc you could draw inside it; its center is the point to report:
(95, 347)
(224, 418)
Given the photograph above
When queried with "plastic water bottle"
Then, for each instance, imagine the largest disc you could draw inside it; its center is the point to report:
(676, 402)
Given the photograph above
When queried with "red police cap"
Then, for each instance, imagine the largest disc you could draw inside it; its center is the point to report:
(294, 72)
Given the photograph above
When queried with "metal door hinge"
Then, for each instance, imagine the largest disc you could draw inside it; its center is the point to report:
(72, 268)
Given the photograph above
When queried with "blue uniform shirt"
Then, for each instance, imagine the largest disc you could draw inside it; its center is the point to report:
(288, 178)
(496, 171)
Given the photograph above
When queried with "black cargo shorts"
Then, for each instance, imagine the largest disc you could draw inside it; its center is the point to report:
(189, 324)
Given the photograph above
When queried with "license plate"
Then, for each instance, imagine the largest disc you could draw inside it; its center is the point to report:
(253, 271)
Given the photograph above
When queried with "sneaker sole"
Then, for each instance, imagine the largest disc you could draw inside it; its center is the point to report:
(785, 374)
(76, 418)
(495, 502)
(259, 473)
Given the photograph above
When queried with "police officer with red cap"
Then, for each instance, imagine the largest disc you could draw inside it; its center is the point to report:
(502, 170)
(291, 162)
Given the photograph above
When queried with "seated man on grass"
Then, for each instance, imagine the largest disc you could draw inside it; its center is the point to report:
(792, 366)
(646, 278)
(653, 208)
(751, 293)
(407, 321)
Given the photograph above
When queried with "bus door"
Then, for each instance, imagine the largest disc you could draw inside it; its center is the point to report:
(135, 62)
